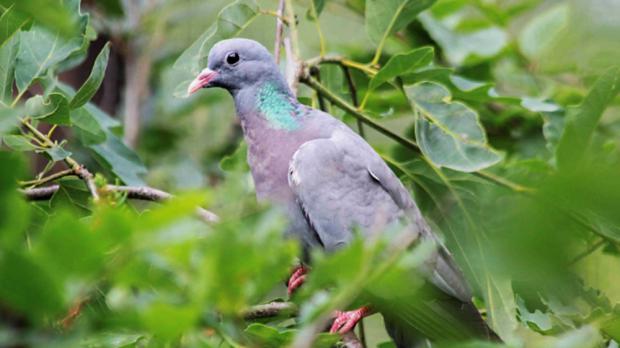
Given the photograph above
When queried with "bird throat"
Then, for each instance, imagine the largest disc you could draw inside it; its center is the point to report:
(277, 107)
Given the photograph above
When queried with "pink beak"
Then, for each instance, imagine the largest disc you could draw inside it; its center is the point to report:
(201, 80)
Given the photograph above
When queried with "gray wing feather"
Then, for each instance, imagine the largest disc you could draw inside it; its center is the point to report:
(341, 183)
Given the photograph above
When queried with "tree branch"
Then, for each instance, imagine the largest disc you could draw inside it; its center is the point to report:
(77, 168)
(336, 100)
(133, 192)
(270, 310)
(279, 30)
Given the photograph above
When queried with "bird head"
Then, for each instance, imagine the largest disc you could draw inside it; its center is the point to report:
(235, 64)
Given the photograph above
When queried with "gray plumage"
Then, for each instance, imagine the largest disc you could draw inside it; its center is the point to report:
(328, 177)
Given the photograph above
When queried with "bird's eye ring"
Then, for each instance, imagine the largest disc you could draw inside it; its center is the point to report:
(232, 58)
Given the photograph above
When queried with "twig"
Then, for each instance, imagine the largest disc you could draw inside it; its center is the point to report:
(74, 312)
(293, 67)
(588, 251)
(85, 175)
(353, 92)
(292, 27)
(77, 168)
(339, 60)
(336, 100)
(133, 192)
(270, 310)
(279, 29)
(51, 177)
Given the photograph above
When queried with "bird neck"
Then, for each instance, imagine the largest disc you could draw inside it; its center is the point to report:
(273, 104)
(278, 106)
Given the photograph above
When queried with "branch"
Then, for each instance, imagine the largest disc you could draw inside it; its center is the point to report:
(133, 192)
(336, 100)
(77, 168)
(353, 93)
(270, 310)
(289, 310)
(279, 30)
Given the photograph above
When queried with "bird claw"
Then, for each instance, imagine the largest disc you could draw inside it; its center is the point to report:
(346, 321)
(297, 278)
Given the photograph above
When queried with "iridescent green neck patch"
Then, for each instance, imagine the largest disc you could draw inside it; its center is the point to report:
(277, 108)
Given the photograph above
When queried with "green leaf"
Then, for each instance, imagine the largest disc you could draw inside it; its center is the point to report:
(313, 14)
(230, 22)
(67, 246)
(54, 109)
(178, 319)
(402, 63)
(8, 119)
(90, 87)
(448, 132)
(89, 129)
(540, 33)
(237, 161)
(464, 47)
(56, 15)
(57, 153)
(581, 122)
(384, 17)
(123, 162)
(268, 336)
(22, 281)
(8, 55)
(18, 143)
(39, 50)
(9, 24)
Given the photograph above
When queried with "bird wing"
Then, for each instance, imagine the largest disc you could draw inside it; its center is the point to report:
(341, 184)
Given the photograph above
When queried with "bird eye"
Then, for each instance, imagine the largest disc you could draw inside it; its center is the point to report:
(232, 58)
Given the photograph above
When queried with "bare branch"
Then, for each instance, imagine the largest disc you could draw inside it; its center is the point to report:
(270, 310)
(279, 30)
(133, 192)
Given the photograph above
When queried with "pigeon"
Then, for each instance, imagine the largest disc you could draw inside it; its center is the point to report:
(332, 184)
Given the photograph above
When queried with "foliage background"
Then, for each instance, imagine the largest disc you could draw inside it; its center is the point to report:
(529, 210)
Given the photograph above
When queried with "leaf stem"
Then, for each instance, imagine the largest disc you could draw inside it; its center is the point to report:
(51, 177)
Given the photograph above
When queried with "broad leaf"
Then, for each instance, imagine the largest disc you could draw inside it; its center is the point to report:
(39, 49)
(53, 109)
(384, 17)
(90, 87)
(464, 47)
(89, 129)
(540, 33)
(581, 122)
(57, 153)
(9, 24)
(24, 280)
(449, 132)
(8, 119)
(56, 15)
(18, 143)
(230, 22)
(8, 54)
(402, 63)
(121, 160)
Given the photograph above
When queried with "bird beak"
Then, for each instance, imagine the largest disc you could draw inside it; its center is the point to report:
(201, 80)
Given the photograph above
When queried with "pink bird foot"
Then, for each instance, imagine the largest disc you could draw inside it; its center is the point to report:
(346, 321)
(297, 278)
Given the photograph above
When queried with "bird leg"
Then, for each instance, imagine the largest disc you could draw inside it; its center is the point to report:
(297, 278)
(346, 321)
